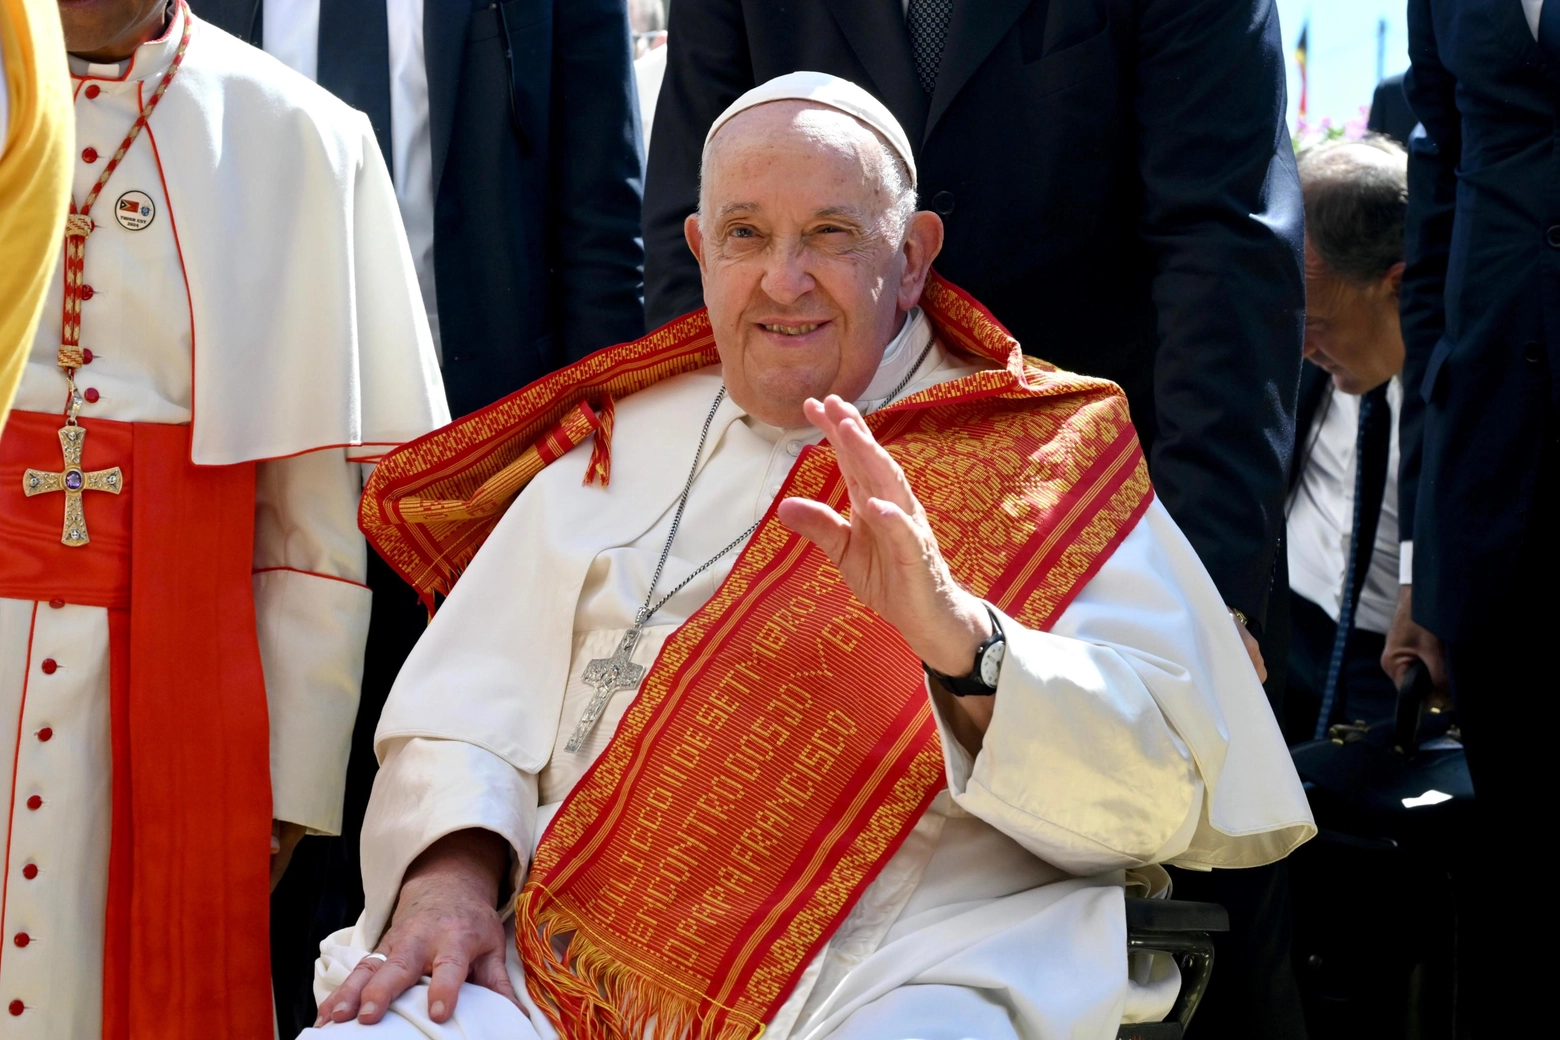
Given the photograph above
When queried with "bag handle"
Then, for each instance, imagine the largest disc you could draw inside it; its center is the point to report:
(1412, 694)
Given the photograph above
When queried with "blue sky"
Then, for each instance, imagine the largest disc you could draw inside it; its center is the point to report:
(1342, 52)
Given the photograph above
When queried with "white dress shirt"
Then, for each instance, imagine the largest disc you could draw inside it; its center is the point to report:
(291, 34)
(1321, 515)
(1532, 9)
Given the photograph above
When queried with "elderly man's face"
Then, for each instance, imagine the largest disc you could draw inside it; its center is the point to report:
(1351, 330)
(805, 273)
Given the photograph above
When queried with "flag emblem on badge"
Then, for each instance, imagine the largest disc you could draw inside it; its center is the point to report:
(134, 210)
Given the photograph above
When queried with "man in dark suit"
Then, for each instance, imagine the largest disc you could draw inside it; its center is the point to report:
(1481, 324)
(1342, 512)
(1118, 186)
(527, 121)
(512, 134)
(1390, 113)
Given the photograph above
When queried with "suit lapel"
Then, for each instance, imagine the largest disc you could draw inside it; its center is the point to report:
(238, 17)
(974, 29)
(444, 40)
(875, 30)
(1314, 385)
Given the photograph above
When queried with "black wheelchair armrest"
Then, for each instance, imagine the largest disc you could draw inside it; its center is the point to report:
(1180, 928)
(1175, 915)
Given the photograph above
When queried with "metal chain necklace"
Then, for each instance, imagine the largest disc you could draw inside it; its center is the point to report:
(72, 478)
(607, 675)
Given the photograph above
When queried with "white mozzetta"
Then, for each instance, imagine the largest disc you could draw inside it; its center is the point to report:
(305, 315)
(292, 34)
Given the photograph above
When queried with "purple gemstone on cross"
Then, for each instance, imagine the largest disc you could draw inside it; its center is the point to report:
(73, 480)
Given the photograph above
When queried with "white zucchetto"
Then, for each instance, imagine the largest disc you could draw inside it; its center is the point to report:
(820, 88)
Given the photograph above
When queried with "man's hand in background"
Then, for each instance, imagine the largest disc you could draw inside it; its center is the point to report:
(284, 839)
(1253, 651)
(1408, 641)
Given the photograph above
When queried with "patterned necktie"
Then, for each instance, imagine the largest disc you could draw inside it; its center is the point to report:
(927, 21)
(1353, 581)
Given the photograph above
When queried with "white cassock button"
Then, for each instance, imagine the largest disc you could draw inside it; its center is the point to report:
(793, 448)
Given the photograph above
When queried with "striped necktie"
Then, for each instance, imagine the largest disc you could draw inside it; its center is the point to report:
(1373, 437)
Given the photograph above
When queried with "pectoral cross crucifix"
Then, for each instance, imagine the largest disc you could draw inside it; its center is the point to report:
(607, 675)
(73, 481)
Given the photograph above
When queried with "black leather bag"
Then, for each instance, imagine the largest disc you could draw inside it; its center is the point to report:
(1375, 895)
(1404, 778)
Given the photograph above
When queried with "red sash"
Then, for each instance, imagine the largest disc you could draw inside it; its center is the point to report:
(782, 745)
(187, 952)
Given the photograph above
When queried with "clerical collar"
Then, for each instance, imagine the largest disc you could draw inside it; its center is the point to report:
(152, 58)
(899, 357)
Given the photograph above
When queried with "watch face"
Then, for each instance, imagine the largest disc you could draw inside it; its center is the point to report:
(991, 664)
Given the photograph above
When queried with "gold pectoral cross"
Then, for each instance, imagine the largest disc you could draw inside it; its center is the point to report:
(608, 675)
(73, 481)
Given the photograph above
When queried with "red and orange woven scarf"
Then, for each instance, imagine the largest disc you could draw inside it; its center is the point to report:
(782, 746)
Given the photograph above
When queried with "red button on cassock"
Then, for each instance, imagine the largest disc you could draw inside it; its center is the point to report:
(91, 395)
(49, 665)
(22, 939)
(46, 734)
(17, 1007)
(30, 871)
(87, 292)
(57, 604)
(92, 91)
(35, 803)
(86, 356)
(89, 154)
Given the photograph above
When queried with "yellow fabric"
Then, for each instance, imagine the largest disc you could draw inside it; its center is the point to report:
(34, 174)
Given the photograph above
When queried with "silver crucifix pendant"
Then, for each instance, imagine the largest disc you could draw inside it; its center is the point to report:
(607, 675)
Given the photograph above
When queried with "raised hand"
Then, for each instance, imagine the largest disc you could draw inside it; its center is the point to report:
(886, 550)
(445, 926)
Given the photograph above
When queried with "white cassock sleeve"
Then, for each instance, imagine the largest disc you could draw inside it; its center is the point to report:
(1109, 731)
(311, 613)
(429, 788)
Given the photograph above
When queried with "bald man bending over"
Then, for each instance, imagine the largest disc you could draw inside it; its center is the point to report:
(687, 752)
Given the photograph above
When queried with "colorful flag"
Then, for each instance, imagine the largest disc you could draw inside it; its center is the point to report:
(1300, 50)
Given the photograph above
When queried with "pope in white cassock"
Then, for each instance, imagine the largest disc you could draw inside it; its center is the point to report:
(233, 329)
(686, 753)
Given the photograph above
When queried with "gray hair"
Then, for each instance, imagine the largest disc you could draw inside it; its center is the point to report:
(1356, 199)
(897, 186)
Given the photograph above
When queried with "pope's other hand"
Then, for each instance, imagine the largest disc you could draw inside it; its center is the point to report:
(886, 550)
(446, 925)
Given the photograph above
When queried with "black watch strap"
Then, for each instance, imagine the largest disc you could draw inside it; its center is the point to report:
(974, 684)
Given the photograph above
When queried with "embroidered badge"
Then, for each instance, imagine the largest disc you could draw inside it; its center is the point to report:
(134, 210)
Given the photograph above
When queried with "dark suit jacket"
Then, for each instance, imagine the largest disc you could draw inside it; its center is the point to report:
(537, 252)
(1481, 288)
(1118, 187)
(1390, 113)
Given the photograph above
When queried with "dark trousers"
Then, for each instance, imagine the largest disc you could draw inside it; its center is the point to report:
(1253, 992)
(1364, 691)
(1503, 682)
